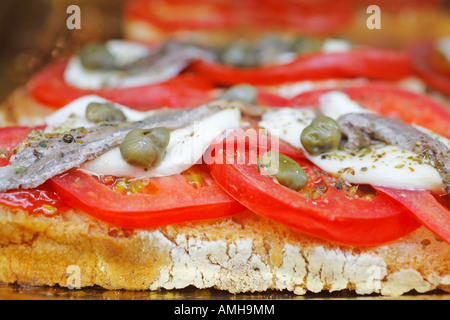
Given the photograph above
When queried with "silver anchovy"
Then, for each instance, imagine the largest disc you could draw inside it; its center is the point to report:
(169, 54)
(361, 129)
(45, 155)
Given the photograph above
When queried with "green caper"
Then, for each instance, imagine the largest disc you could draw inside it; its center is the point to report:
(104, 112)
(287, 172)
(274, 42)
(243, 92)
(321, 136)
(306, 45)
(96, 56)
(240, 55)
(145, 147)
(270, 47)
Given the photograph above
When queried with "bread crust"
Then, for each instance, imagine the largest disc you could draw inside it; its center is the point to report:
(242, 253)
(20, 109)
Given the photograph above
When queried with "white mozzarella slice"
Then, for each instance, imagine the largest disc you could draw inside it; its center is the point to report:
(288, 123)
(185, 149)
(381, 165)
(73, 115)
(336, 45)
(125, 53)
(336, 103)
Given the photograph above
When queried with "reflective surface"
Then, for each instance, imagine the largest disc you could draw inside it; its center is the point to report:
(14, 292)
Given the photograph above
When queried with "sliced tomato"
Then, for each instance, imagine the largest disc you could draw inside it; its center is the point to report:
(176, 15)
(305, 5)
(322, 17)
(435, 78)
(42, 199)
(10, 137)
(370, 63)
(398, 6)
(258, 16)
(391, 101)
(190, 196)
(270, 99)
(321, 210)
(425, 208)
(49, 88)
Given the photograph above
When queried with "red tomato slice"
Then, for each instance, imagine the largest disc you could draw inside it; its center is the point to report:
(304, 5)
(42, 199)
(332, 216)
(270, 99)
(421, 65)
(355, 63)
(321, 17)
(49, 88)
(10, 137)
(398, 6)
(389, 100)
(178, 198)
(174, 15)
(425, 208)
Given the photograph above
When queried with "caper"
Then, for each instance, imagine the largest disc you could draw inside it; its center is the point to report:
(321, 136)
(96, 56)
(274, 42)
(271, 47)
(287, 171)
(68, 138)
(145, 147)
(306, 45)
(240, 55)
(104, 112)
(243, 92)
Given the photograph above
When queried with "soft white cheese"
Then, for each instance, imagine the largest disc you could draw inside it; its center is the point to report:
(379, 164)
(125, 52)
(336, 45)
(73, 115)
(336, 103)
(288, 123)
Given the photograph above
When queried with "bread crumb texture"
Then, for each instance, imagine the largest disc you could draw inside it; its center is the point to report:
(243, 253)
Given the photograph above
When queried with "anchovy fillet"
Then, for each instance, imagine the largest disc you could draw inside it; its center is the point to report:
(46, 155)
(169, 54)
(362, 128)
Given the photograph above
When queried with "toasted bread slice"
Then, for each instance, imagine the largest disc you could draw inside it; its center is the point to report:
(242, 253)
(20, 109)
